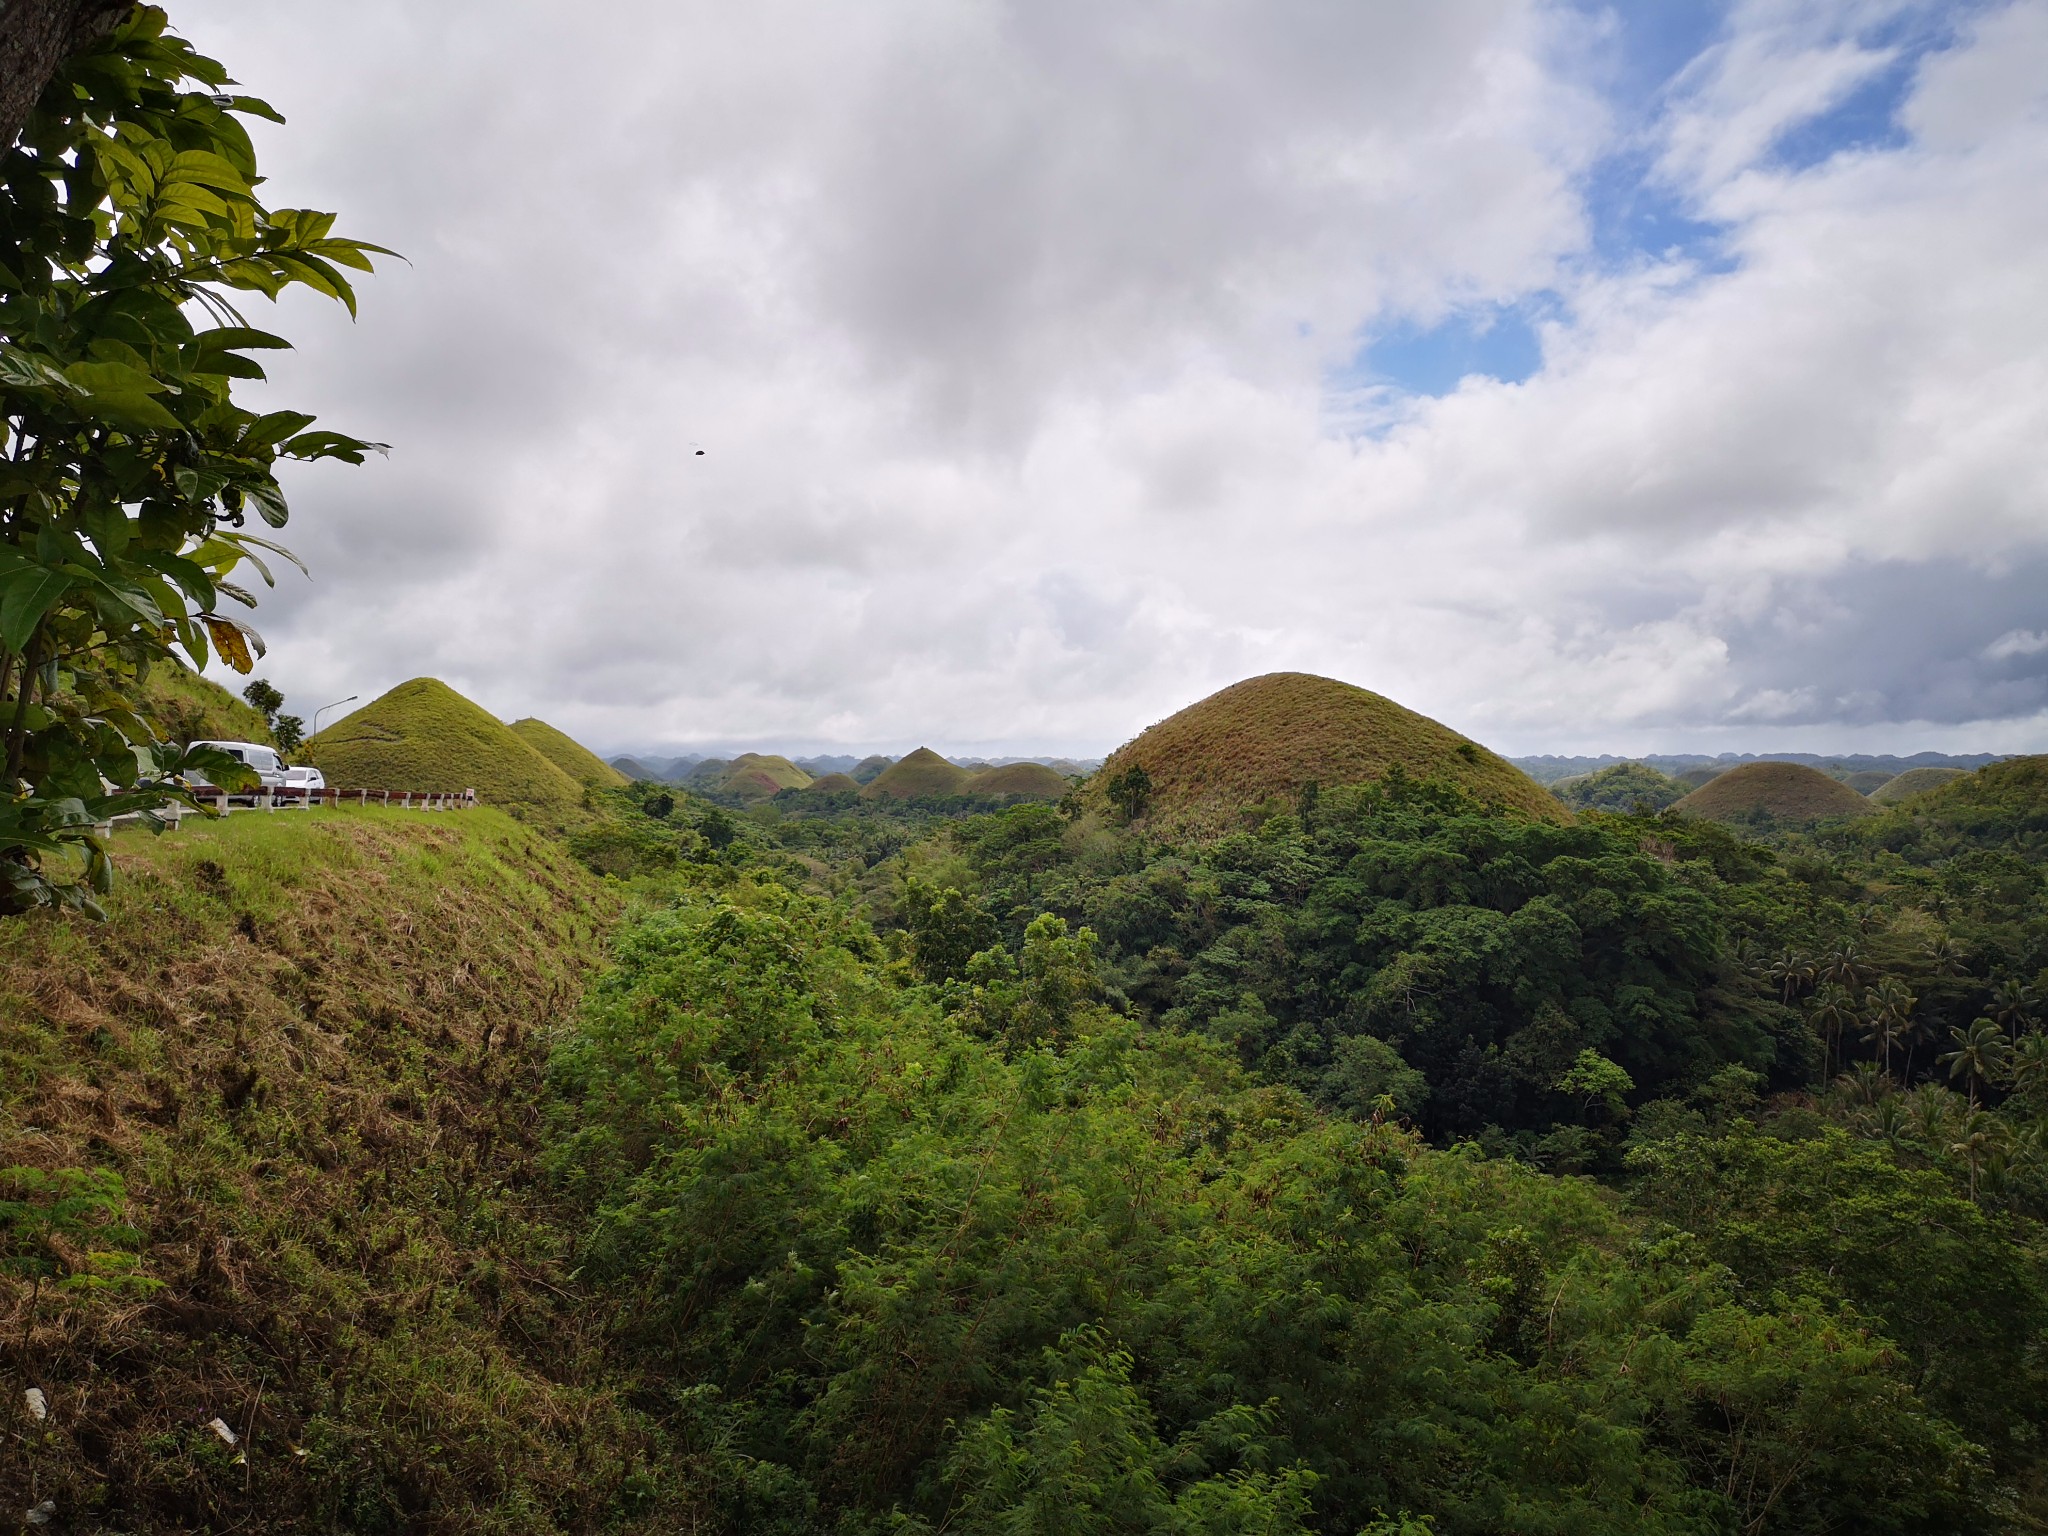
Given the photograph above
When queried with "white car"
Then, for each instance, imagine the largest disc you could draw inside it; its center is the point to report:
(304, 776)
(269, 766)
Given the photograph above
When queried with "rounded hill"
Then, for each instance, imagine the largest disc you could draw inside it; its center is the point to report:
(1619, 787)
(1915, 781)
(923, 775)
(423, 735)
(1032, 781)
(757, 775)
(184, 706)
(833, 784)
(1274, 735)
(1779, 791)
(569, 755)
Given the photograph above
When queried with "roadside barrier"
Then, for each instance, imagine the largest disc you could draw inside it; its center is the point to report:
(288, 799)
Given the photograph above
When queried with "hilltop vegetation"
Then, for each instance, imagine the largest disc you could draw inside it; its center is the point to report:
(1764, 792)
(574, 759)
(1270, 737)
(1915, 781)
(919, 775)
(1623, 787)
(187, 707)
(423, 735)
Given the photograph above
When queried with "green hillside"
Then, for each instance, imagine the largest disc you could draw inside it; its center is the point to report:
(1779, 791)
(187, 707)
(569, 755)
(1272, 736)
(1915, 781)
(1032, 781)
(1622, 787)
(868, 769)
(755, 776)
(303, 1048)
(1868, 781)
(833, 784)
(423, 735)
(922, 775)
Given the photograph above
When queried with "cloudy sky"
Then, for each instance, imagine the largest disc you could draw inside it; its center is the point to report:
(1594, 378)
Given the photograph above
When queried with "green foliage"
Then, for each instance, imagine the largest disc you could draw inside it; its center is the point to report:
(1130, 791)
(67, 1224)
(128, 213)
(1636, 788)
(1096, 1279)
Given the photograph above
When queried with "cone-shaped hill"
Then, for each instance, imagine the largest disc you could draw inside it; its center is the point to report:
(1274, 735)
(920, 776)
(423, 735)
(1782, 791)
(756, 776)
(1915, 781)
(2016, 787)
(1032, 781)
(572, 757)
(832, 784)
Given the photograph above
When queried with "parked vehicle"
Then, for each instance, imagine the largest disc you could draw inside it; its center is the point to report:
(269, 766)
(304, 776)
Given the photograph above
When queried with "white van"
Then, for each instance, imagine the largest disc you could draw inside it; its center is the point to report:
(268, 765)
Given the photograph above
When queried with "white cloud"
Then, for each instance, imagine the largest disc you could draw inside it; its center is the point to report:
(1009, 332)
(2017, 642)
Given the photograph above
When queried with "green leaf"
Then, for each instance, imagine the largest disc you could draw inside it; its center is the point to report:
(25, 596)
(267, 431)
(238, 337)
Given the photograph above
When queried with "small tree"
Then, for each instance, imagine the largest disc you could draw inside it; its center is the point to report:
(128, 473)
(265, 697)
(1130, 791)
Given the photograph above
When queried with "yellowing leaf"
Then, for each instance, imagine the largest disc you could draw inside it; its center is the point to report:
(231, 643)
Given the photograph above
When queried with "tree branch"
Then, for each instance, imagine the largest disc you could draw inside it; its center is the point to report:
(36, 37)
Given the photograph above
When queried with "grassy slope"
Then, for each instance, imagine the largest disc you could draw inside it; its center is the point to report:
(1915, 781)
(1031, 779)
(833, 784)
(1790, 791)
(756, 774)
(568, 754)
(921, 775)
(188, 707)
(1272, 735)
(423, 735)
(312, 1045)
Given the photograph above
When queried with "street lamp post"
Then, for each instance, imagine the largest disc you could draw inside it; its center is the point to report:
(326, 707)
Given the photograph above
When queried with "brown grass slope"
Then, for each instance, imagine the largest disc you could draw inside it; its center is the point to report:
(1032, 781)
(312, 1047)
(423, 735)
(1783, 791)
(757, 775)
(568, 754)
(922, 775)
(1273, 735)
(1915, 781)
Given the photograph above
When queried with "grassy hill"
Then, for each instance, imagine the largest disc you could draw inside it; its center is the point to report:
(922, 775)
(423, 735)
(1273, 735)
(868, 769)
(1915, 781)
(1867, 781)
(833, 784)
(569, 755)
(1623, 787)
(755, 776)
(1031, 780)
(1779, 791)
(306, 1048)
(187, 707)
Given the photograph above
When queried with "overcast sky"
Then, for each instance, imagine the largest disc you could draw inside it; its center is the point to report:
(1663, 376)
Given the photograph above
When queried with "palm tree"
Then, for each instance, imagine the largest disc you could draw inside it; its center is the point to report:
(2015, 1006)
(1844, 967)
(2027, 1064)
(1933, 1111)
(1976, 1140)
(1888, 1016)
(1864, 1084)
(1945, 957)
(1980, 1054)
(1889, 1121)
(1833, 1011)
(1793, 973)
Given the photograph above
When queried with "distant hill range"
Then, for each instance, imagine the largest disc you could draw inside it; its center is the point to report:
(697, 771)
(1697, 768)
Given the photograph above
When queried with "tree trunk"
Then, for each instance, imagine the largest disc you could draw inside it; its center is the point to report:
(36, 37)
